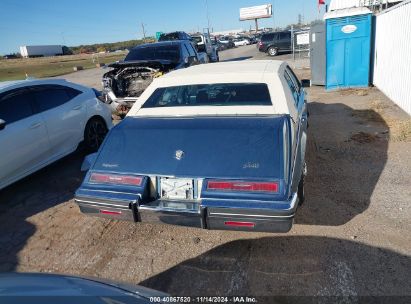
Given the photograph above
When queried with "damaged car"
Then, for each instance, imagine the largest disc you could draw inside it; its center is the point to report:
(127, 79)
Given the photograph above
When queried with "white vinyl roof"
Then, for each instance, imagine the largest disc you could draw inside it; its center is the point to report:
(269, 72)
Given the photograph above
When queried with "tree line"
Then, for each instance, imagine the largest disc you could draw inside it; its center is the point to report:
(108, 47)
(95, 48)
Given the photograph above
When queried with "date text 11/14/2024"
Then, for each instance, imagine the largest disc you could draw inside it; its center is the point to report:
(205, 299)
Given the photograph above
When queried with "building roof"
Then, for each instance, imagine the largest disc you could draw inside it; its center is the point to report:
(353, 11)
(342, 4)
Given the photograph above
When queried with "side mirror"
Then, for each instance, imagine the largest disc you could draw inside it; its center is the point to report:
(2, 124)
(305, 83)
(88, 162)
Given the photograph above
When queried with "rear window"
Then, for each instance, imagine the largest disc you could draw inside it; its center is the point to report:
(221, 94)
(169, 36)
(197, 39)
(267, 37)
(164, 52)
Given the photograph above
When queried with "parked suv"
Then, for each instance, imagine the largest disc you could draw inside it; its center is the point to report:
(273, 43)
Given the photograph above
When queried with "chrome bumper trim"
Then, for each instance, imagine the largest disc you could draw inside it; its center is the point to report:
(252, 215)
(102, 204)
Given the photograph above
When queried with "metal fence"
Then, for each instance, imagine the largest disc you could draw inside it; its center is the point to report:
(301, 48)
(392, 58)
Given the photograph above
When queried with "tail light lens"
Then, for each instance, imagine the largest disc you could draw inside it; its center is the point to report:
(116, 179)
(239, 224)
(271, 187)
(99, 96)
(108, 212)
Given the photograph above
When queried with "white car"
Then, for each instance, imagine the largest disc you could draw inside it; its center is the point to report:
(241, 41)
(42, 121)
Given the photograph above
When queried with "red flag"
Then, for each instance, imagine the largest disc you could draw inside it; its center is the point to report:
(320, 2)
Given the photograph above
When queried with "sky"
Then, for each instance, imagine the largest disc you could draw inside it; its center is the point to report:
(75, 22)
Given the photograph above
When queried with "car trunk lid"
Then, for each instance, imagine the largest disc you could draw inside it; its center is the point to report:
(206, 147)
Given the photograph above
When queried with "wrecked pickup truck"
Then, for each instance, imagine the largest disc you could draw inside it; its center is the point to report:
(127, 80)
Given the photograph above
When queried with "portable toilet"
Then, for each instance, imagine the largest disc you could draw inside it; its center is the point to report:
(317, 53)
(348, 48)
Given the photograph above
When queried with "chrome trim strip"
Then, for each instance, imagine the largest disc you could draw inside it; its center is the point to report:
(165, 210)
(292, 202)
(108, 191)
(101, 204)
(290, 184)
(253, 215)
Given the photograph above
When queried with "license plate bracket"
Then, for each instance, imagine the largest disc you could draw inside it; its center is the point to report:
(176, 188)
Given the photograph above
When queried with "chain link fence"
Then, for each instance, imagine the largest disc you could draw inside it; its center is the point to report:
(301, 48)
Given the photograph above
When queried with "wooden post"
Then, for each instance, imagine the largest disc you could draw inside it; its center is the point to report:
(256, 25)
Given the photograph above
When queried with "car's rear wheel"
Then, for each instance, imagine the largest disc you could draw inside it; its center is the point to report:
(272, 51)
(94, 133)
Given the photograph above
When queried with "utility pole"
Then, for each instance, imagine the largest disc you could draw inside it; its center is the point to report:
(208, 17)
(272, 12)
(144, 32)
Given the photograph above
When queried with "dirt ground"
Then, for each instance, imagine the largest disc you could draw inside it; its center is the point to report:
(351, 237)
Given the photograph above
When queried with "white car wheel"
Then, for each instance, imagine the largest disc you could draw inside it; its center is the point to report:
(272, 51)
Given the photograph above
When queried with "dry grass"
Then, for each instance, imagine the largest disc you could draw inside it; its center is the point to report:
(399, 129)
(14, 69)
(378, 105)
(358, 92)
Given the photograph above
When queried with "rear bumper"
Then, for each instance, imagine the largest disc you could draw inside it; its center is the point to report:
(116, 103)
(195, 214)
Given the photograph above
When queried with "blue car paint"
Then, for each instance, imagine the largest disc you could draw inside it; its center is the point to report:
(214, 148)
(223, 147)
(240, 148)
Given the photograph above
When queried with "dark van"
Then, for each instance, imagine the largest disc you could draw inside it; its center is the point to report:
(273, 43)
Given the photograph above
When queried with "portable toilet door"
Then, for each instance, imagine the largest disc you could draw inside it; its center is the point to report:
(317, 53)
(348, 48)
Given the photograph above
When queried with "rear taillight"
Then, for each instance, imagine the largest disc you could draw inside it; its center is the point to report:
(99, 96)
(271, 187)
(115, 179)
(239, 224)
(108, 212)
